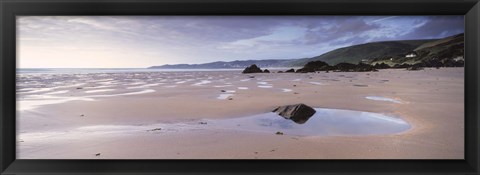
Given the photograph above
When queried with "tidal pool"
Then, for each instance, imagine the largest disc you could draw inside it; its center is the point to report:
(325, 122)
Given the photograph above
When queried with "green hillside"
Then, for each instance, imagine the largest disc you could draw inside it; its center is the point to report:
(442, 50)
(445, 51)
(367, 52)
(413, 55)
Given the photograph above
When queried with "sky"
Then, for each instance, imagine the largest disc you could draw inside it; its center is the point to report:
(143, 41)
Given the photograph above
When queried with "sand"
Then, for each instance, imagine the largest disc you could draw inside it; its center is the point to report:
(120, 123)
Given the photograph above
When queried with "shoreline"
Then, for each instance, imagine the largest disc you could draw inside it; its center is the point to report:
(433, 133)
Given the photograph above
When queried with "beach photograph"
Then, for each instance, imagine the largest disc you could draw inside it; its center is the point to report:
(240, 87)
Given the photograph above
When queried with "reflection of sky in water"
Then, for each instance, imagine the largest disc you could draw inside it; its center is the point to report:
(284, 124)
(324, 122)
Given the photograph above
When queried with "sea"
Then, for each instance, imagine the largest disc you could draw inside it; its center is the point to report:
(106, 70)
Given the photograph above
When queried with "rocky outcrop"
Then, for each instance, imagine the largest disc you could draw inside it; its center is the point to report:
(381, 66)
(348, 67)
(414, 68)
(314, 66)
(290, 70)
(404, 65)
(252, 69)
(432, 63)
(345, 67)
(299, 113)
(266, 71)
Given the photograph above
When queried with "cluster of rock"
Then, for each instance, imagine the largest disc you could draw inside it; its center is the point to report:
(254, 69)
(430, 63)
(315, 66)
(433, 63)
(381, 66)
(290, 70)
(414, 67)
(299, 113)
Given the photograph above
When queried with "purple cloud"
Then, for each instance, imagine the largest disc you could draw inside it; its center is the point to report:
(197, 39)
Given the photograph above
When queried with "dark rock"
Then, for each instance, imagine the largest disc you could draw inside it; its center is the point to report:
(414, 68)
(290, 70)
(404, 65)
(223, 91)
(348, 67)
(453, 63)
(314, 66)
(299, 113)
(460, 63)
(279, 133)
(345, 67)
(252, 69)
(381, 66)
(266, 71)
(426, 64)
(156, 129)
(79, 88)
(280, 72)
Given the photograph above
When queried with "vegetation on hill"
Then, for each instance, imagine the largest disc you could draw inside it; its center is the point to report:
(445, 52)
(369, 51)
(448, 51)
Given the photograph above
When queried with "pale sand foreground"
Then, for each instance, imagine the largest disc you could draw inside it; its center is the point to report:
(117, 126)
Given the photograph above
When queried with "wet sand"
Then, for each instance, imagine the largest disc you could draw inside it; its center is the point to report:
(158, 115)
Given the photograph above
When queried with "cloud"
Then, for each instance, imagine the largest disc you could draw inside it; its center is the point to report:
(197, 39)
(437, 27)
(92, 23)
(383, 19)
(336, 29)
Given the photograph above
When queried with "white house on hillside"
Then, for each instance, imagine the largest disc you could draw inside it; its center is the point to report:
(411, 55)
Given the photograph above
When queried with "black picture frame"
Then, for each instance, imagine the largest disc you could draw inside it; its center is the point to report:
(9, 9)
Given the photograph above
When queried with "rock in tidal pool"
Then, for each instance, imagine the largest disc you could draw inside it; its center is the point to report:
(299, 113)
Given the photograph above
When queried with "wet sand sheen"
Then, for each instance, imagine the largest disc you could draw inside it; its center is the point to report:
(325, 122)
(429, 100)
